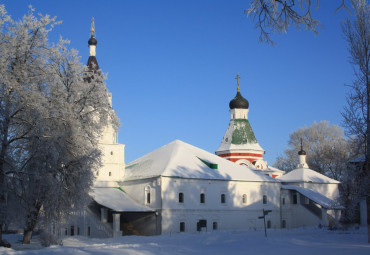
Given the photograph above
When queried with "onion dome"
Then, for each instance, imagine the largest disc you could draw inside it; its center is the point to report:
(239, 102)
(92, 41)
(301, 152)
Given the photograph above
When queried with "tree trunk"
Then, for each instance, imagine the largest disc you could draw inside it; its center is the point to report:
(31, 223)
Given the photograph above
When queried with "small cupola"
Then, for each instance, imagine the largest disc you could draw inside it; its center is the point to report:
(302, 157)
(238, 102)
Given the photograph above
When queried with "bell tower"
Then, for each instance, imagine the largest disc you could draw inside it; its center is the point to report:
(113, 153)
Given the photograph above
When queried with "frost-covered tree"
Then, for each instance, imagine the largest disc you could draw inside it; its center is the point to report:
(275, 16)
(50, 120)
(356, 114)
(328, 150)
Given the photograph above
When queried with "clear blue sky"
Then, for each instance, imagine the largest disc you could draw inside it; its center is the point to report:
(171, 68)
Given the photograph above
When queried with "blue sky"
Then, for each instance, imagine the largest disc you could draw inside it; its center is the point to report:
(171, 67)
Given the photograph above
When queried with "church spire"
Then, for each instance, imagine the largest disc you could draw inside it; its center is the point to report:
(92, 63)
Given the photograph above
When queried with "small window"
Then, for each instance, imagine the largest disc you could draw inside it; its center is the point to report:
(202, 198)
(66, 231)
(72, 230)
(264, 199)
(223, 198)
(181, 197)
(111, 153)
(147, 195)
(88, 231)
(283, 224)
(182, 226)
(78, 231)
(148, 198)
(283, 201)
(215, 227)
(110, 173)
(244, 199)
(97, 173)
(268, 224)
(295, 199)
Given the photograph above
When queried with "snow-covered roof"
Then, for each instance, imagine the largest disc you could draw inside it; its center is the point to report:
(117, 200)
(179, 159)
(306, 175)
(315, 196)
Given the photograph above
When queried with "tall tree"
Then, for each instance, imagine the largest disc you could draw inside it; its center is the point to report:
(357, 112)
(50, 118)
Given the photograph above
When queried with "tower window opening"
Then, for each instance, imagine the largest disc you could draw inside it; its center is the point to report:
(110, 173)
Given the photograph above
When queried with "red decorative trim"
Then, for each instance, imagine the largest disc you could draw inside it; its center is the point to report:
(240, 154)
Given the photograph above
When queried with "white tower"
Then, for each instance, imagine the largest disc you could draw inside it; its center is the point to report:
(113, 153)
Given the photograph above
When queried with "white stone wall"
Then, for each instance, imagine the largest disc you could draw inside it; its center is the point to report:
(138, 189)
(296, 215)
(113, 158)
(233, 214)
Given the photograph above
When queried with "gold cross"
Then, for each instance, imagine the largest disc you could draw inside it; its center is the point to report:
(92, 27)
(237, 80)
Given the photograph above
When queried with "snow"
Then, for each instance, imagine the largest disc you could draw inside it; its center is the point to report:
(179, 159)
(315, 196)
(117, 200)
(278, 242)
(305, 175)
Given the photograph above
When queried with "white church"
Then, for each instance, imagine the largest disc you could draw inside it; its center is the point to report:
(182, 188)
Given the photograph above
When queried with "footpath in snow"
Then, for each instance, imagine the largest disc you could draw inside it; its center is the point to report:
(298, 241)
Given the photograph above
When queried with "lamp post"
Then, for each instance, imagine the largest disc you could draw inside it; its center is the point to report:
(265, 212)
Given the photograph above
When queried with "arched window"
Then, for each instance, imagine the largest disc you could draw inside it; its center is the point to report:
(244, 198)
(223, 198)
(269, 224)
(181, 197)
(215, 227)
(147, 195)
(264, 199)
(202, 198)
(182, 226)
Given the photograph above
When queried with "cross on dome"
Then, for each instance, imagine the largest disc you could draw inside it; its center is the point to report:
(92, 27)
(237, 80)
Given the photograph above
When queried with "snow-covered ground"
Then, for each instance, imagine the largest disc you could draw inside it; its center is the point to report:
(299, 241)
